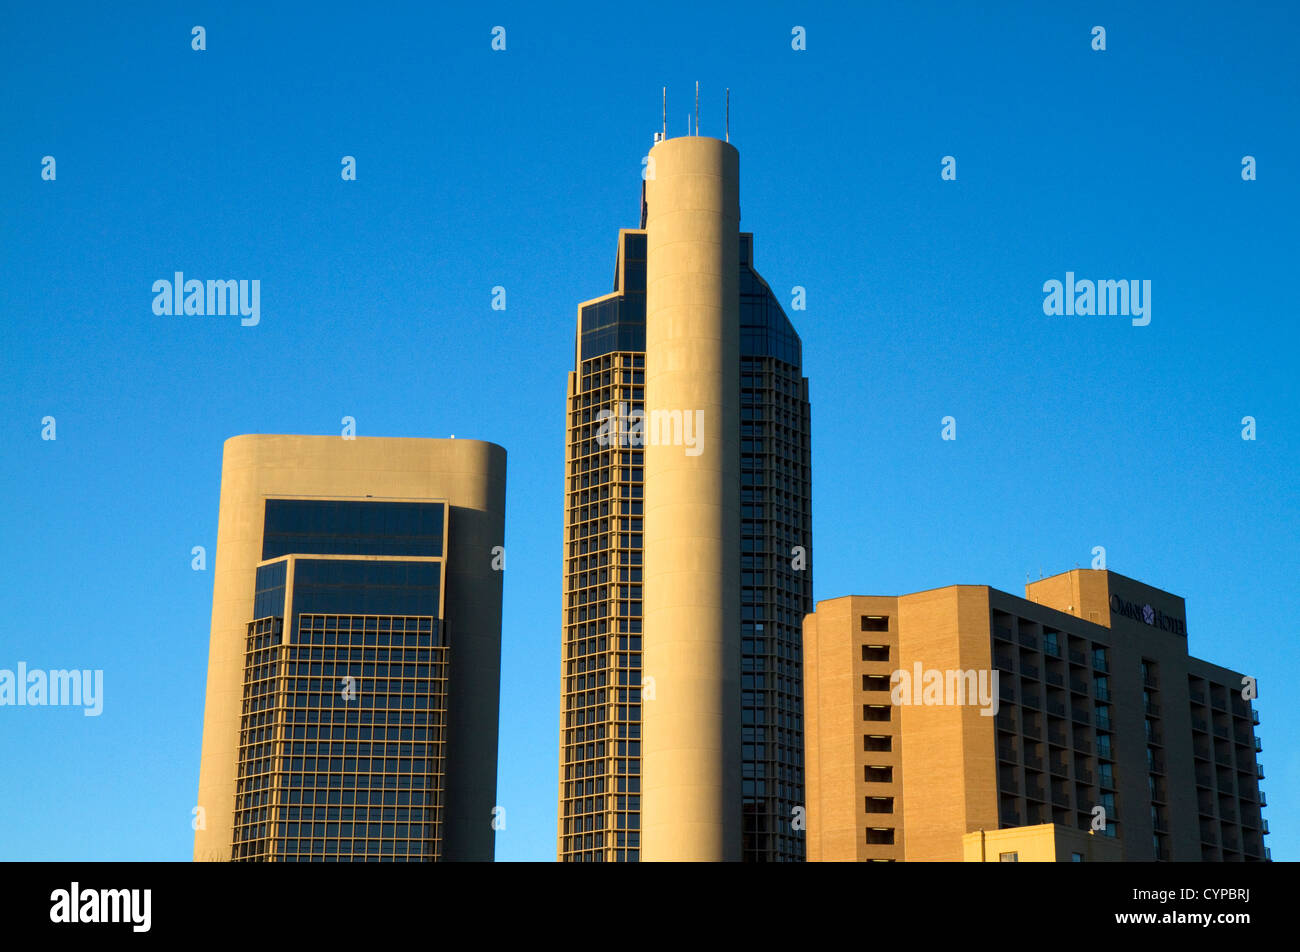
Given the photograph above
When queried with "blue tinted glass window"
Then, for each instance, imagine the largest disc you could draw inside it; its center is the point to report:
(351, 527)
(354, 587)
(269, 590)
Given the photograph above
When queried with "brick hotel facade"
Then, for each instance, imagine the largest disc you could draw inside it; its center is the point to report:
(1100, 704)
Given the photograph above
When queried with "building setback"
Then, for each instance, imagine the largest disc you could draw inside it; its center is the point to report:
(709, 560)
(354, 663)
(1099, 704)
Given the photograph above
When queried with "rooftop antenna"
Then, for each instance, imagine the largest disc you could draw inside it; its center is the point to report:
(665, 112)
(728, 114)
(697, 107)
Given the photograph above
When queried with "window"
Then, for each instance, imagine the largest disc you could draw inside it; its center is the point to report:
(1076, 857)
(875, 652)
(875, 623)
(1008, 857)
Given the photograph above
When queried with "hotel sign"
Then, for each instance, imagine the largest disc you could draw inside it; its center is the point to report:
(1148, 616)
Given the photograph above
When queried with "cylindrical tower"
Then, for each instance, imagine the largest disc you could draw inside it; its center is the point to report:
(690, 806)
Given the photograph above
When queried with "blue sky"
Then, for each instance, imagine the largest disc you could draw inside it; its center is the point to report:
(479, 168)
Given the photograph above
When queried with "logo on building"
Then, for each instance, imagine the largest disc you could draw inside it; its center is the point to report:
(1148, 616)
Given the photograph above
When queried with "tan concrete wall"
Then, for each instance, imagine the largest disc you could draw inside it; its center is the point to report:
(949, 758)
(1043, 843)
(691, 778)
(470, 475)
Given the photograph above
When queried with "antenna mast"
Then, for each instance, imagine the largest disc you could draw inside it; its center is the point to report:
(697, 107)
(728, 114)
(665, 112)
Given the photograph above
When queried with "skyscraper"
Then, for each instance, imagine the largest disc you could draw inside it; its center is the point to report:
(687, 540)
(354, 666)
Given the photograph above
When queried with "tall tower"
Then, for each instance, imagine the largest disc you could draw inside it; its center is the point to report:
(690, 807)
(354, 665)
(606, 654)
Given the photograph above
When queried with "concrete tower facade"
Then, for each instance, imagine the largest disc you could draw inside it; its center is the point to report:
(371, 558)
(691, 796)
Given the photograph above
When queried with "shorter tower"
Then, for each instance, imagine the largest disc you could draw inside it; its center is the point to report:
(354, 664)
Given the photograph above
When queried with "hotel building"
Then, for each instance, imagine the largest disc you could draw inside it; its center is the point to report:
(354, 662)
(1101, 713)
(688, 571)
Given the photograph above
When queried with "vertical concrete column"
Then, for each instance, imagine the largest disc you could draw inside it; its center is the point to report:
(691, 764)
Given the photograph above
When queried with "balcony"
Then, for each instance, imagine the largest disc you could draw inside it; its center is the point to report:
(1160, 824)
(1002, 632)
(1198, 697)
(1263, 824)
(1060, 798)
(1259, 771)
(1007, 752)
(1078, 657)
(1033, 761)
(1103, 721)
(1055, 678)
(1060, 768)
(1208, 836)
(1029, 671)
(1010, 818)
(1051, 648)
(1057, 738)
(1258, 746)
(1203, 779)
(1198, 724)
(1035, 792)
(1228, 815)
(1152, 708)
(1103, 751)
(1156, 738)
(1220, 731)
(1002, 662)
(1083, 744)
(1079, 716)
(1030, 701)
(1056, 707)
(1082, 775)
(1029, 640)
(1005, 721)
(1099, 663)
(1263, 799)
(1150, 680)
(1078, 687)
(1254, 717)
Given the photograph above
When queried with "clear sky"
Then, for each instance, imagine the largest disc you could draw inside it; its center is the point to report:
(478, 168)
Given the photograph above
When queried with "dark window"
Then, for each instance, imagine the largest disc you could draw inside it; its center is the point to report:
(875, 623)
(354, 587)
(348, 527)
